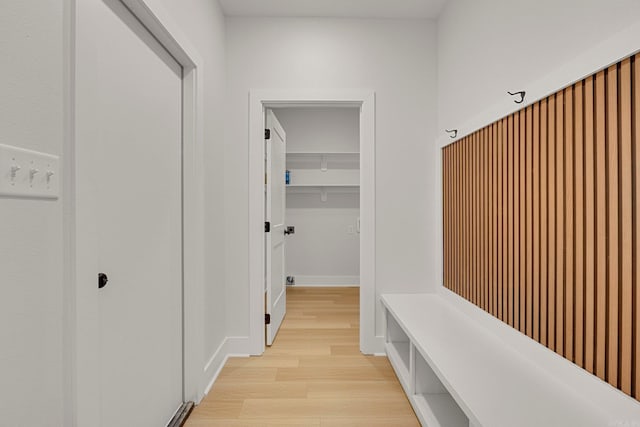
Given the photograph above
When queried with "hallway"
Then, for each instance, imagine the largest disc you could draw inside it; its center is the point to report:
(313, 375)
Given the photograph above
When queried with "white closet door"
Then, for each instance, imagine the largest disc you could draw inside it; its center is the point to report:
(130, 133)
(276, 290)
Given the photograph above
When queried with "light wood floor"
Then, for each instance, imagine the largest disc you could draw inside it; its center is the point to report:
(313, 375)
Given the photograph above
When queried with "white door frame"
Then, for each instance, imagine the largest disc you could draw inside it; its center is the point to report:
(259, 100)
(84, 387)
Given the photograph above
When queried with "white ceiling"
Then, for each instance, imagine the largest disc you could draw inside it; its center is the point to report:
(335, 8)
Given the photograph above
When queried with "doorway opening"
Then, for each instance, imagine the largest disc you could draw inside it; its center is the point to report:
(312, 202)
(362, 104)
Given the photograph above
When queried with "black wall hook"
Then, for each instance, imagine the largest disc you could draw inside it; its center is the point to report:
(521, 94)
(453, 132)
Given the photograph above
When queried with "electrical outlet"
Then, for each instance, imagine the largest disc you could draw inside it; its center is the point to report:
(28, 174)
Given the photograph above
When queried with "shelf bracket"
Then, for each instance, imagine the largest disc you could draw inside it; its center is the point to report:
(323, 163)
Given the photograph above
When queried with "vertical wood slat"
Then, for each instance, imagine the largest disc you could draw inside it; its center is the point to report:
(454, 215)
(505, 219)
(513, 223)
(500, 225)
(459, 247)
(569, 214)
(536, 222)
(497, 237)
(612, 225)
(528, 198)
(601, 227)
(490, 238)
(590, 227)
(449, 215)
(467, 220)
(458, 209)
(458, 155)
(492, 222)
(579, 224)
(490, 219)
(626, 230)
(544, 221)
(445, 224)
(458, 212)
(476, 218)
(485, 221)
(560, 227)
(636, 220)
(522, 255)
(464, 258)
(471, 215)
(551, 224)
(467, 217)
(449, 169)
(461, 271)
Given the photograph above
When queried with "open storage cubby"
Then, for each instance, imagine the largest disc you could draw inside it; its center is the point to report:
(398, 348)
(433, 404)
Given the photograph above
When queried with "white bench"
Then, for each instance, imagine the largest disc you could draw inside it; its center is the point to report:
(462, 367)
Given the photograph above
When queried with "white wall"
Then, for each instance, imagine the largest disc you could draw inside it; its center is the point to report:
(321, 129)
(394, 58)
(325, 248)
(32, 292)
(202, 22)
(489, 47)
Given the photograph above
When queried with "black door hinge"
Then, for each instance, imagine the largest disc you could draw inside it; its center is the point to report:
(267, 319)
(267, 226)
(267, 134)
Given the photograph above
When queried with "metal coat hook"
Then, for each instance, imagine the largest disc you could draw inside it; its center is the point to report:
(453, 133)
(522, 94)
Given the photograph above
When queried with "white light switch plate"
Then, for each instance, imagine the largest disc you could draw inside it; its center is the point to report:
(28, 174)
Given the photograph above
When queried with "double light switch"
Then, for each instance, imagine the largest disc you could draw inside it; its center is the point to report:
(28, 174)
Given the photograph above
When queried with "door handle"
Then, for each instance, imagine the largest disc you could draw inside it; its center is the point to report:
(102, 280)
(290, 229)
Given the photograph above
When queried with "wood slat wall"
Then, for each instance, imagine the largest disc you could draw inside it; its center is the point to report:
(542, 217)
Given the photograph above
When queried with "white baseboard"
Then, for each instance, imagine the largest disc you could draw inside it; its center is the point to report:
(327, 280)
(230, 347)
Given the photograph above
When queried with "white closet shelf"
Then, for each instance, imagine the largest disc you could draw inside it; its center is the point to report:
(318, 153)
(323, 161)
(312, 185)
(328, 178)
(318, 189)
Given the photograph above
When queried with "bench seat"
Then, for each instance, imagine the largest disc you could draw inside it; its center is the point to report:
(462, 367)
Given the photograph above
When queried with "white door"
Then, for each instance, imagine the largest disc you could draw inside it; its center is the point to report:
(275, 281)
(130, 135)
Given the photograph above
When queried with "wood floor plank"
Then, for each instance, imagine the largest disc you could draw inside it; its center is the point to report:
(366, 422)
(230, 391)
(334, 373)
(352, 389)
(288, 422)
(326, 408)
